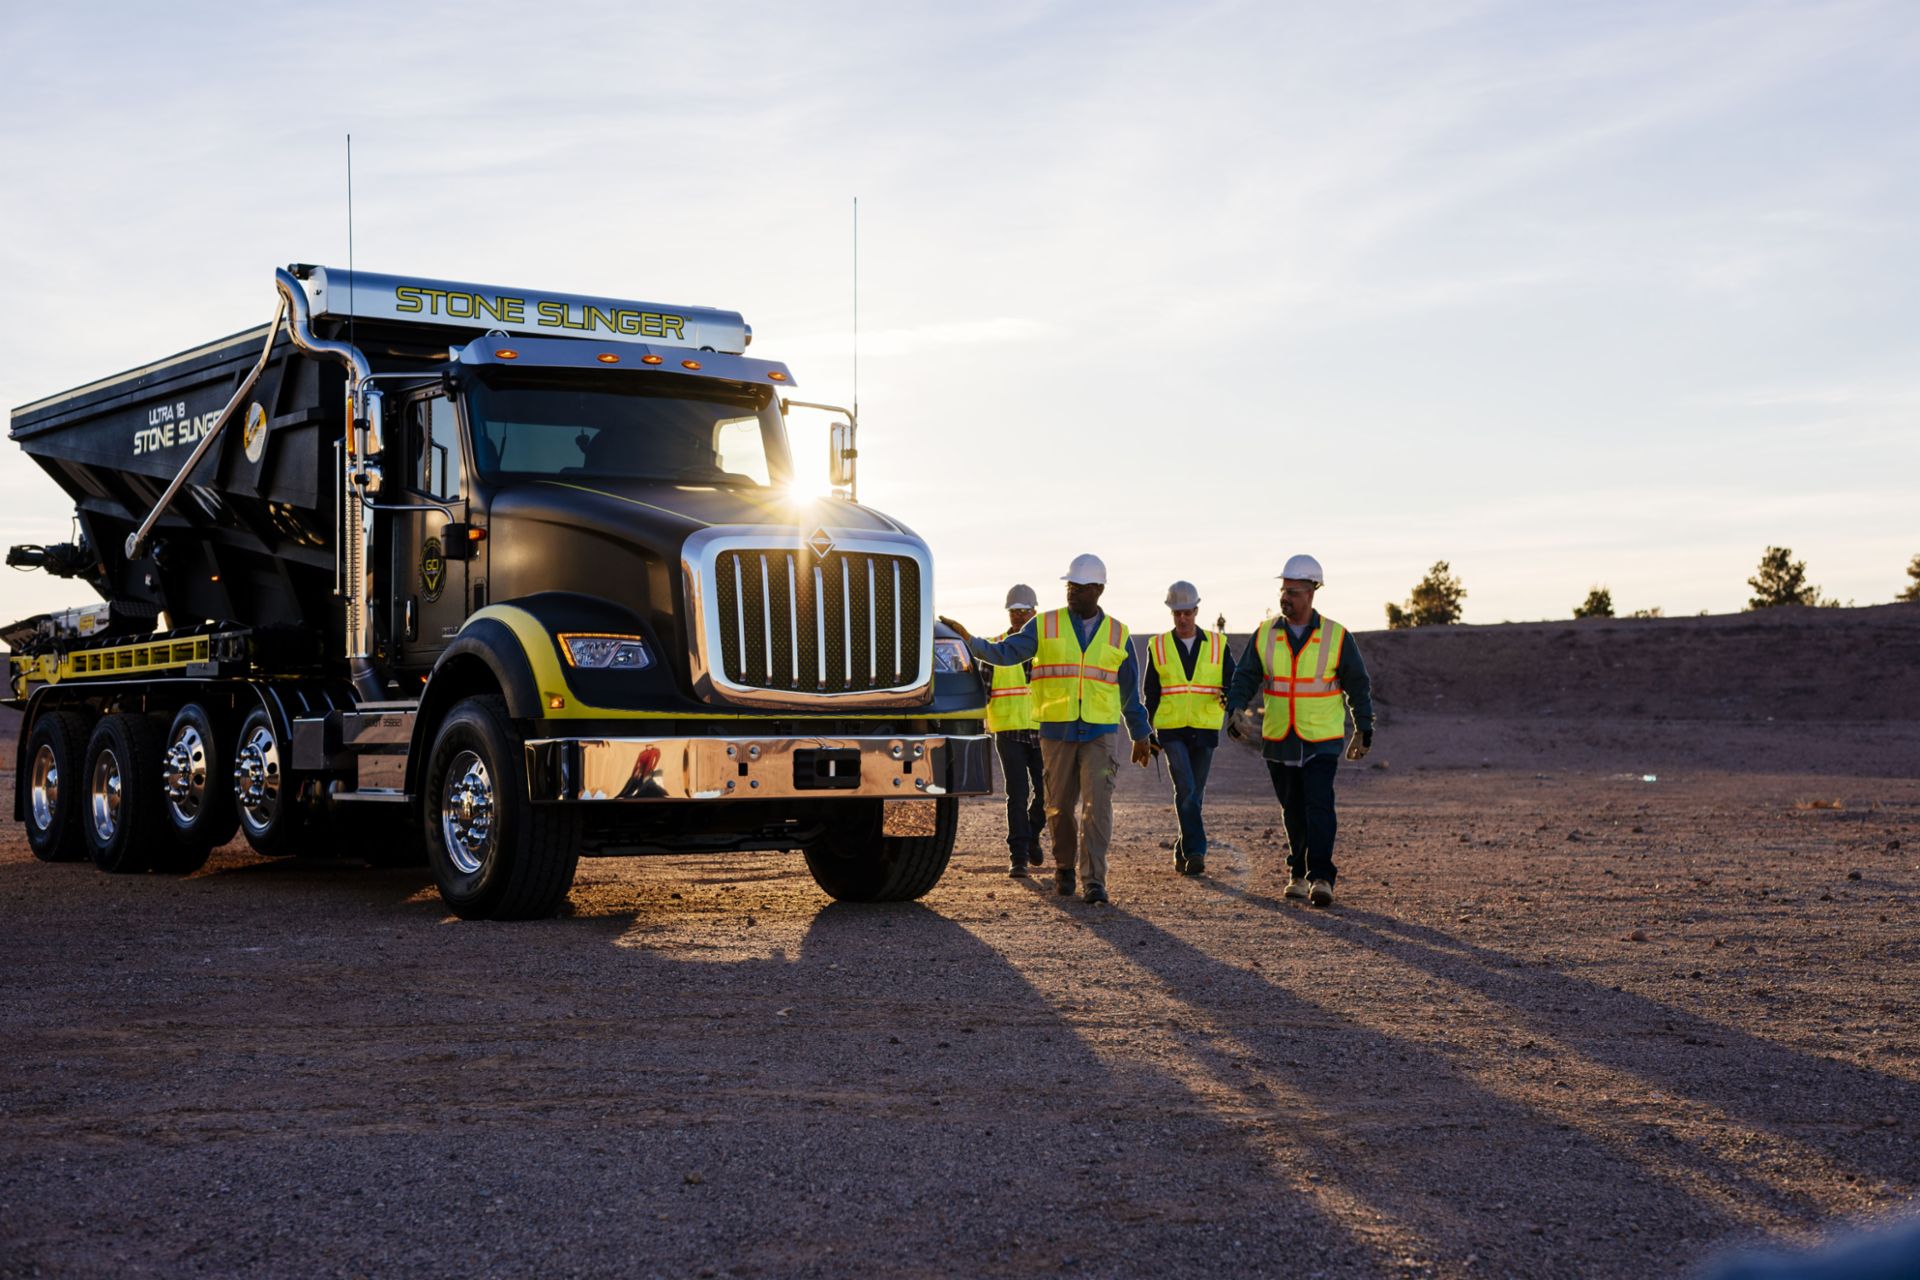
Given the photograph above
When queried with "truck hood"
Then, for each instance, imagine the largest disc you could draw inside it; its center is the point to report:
(683, 509)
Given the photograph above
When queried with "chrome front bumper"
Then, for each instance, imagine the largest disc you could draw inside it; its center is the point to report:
(641, 769)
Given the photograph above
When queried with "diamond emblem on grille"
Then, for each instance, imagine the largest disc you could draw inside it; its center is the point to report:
(821, 543)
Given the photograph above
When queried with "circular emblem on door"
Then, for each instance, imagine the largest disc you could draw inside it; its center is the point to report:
(253, 435)
(433, 570)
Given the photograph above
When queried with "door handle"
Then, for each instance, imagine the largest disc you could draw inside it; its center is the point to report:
(411, 614)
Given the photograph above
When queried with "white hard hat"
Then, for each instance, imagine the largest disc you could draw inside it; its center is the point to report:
(1086, 569)
(1021, 596)
(1183, 595)
(1305, 567)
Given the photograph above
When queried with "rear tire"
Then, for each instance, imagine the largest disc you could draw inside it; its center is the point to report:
(855, 862)
(56, 762)
(495, 855)
(266, 794)
(197, 775)
(123, 810)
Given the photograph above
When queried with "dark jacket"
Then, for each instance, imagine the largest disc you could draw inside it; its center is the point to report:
(1251, 677)
(1188, 657)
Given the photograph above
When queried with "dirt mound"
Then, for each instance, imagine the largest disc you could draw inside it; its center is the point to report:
(1783, 664)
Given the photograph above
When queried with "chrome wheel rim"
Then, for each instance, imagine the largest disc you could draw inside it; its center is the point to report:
(256, 779)
(103, 797)
(184, 773)
(44, 793)
(466, 813)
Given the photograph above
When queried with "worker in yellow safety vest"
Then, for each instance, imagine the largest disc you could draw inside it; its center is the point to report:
(1188, 671)
(1085, 682)
(1016, 738)
(1306, 671)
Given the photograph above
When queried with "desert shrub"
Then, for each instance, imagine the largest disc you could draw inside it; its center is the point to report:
(1435, 601)
(1913, 581)
(1781, 580)
(1598, 604)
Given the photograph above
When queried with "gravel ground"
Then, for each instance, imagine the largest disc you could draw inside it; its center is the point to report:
(1561, 1022)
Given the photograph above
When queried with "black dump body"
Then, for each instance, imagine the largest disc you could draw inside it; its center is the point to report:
(250, 538)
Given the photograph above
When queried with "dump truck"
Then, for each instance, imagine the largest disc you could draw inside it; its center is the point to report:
(485, 578)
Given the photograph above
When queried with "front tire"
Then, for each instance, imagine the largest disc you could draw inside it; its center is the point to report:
(495, 855)
(855, 862)
(56, 762)
(122, 811)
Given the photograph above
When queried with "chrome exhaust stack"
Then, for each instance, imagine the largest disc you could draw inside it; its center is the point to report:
(364, 439)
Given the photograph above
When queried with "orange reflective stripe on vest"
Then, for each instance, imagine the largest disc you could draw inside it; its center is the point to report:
(1188, 702)
(1303, 689)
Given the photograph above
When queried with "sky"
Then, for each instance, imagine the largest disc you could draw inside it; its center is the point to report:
(1563, 294)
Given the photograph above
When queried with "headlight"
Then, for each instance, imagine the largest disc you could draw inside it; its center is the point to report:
(950, 655)
(606, 653)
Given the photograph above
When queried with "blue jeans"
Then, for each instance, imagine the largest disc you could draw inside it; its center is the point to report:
(1026, 791)
(1189, 763)
(1306, 803)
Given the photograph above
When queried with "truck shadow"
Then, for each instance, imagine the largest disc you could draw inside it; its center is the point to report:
(1763, 1083)
(923, 1051)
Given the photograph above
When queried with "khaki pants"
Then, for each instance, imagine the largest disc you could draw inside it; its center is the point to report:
(1080, 775)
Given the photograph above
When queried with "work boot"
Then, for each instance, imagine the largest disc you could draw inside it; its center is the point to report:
(1063, 882)
(1321, 894)
(1195, 866)
(1095, 895)
(1019, 868)
(1296, 887)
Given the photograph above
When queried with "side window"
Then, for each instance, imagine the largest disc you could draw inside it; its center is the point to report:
(433, 441)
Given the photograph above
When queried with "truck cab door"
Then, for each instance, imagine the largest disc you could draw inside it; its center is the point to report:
(429, 577)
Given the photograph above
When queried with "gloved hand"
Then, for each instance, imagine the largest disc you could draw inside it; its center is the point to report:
(1144, 750)
(1234, 730)
(963, 633)
(1361, 744)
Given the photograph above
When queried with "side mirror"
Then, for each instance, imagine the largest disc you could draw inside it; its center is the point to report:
(841, 455)
(461, 540)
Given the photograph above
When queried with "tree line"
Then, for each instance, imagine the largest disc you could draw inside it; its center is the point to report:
(1436, 600)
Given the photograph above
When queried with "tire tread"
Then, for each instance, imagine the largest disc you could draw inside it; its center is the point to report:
(73, 729)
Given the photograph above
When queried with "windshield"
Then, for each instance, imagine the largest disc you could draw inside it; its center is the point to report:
(623, 427)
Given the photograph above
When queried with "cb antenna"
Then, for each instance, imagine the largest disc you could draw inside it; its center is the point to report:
(856, 313)
(349, 238)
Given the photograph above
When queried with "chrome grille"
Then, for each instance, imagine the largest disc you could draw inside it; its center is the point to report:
(793, 622)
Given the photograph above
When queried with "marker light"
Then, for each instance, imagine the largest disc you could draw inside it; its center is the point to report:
(776, 375)
(650, 360)
(595, 652)
(607, 357)
(507, 353)
(476, 534)
(689, 364)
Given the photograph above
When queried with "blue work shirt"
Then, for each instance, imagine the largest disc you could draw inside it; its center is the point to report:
(1023, 644)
